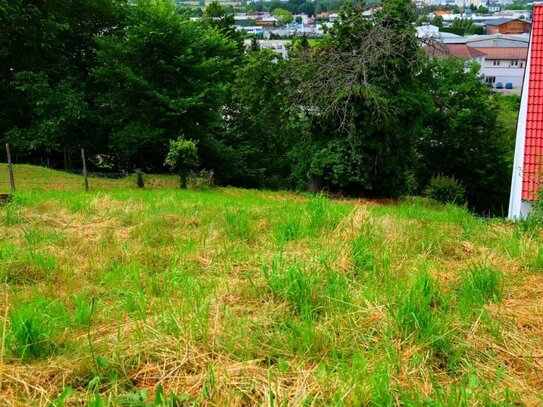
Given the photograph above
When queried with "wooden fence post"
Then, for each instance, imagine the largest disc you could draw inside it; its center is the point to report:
(85, 169)
(10, 169)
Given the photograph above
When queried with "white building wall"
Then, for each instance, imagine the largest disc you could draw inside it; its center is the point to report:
(505, 73)
(517, 208)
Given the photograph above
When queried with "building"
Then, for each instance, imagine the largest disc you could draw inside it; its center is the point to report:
(243, 20)
(493, 6)
(255, 29)
(279, 46)
(505, 66)
(527, 175)
(266, 21)
(507, 26)
(456, 50)
(504, 61)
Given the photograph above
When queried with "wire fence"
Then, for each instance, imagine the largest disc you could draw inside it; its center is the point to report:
(25, 177)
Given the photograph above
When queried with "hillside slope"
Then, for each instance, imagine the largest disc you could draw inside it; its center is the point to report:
(233, 297)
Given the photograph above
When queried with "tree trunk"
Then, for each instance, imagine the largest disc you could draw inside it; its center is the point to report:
(314, 185)
(65, 159)
(183, 180)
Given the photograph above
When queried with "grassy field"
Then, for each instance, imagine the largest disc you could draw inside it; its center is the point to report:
(220, 296)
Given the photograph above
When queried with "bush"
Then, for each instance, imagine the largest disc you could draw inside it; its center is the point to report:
(446, 190)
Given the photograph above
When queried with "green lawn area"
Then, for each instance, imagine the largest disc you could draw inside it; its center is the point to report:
(223, 296)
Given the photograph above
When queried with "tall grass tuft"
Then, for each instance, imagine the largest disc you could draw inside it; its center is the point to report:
(293, 285)
(237, 226)
(35, 328)
(481, 283)
(417, 309)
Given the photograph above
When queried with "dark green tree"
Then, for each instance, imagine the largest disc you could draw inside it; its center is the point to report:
(357, 91)
(47, 50)
(464, 138)
(259, 128)
(162, 76)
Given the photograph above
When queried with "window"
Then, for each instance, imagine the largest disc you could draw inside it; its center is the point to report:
(496, 62)
(490, 80)
(514, 62)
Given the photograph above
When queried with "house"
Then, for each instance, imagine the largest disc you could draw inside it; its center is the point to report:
(441, 13)
(526, 180)
(279, 46)
(504, 65)
(266, 22)
(507, 26)
(493, 6)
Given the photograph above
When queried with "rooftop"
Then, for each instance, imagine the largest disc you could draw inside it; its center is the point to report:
(504, 53)
(533, 146)
(454, 50)
(501, 21)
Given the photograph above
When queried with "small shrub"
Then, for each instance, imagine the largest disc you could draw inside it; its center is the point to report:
(446, 190)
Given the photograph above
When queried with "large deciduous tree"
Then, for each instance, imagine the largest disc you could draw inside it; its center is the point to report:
(46, 54)
(162, 76)
(358, 93)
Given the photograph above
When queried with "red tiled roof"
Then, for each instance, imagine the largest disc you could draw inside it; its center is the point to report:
(504, 53)
(453, 50)
(533, 147)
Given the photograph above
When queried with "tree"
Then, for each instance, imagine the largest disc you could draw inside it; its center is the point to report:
(464, 139)
(466, 24)
(283, 16)
(482, 10)
(47, 54)
(437, 21)
(259, 128)
(183, 158)
(358, 94)
(307, 8)
(162, 76)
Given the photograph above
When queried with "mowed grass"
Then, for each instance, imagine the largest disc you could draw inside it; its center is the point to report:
(223, 296)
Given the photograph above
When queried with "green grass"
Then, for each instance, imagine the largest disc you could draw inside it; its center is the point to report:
(223, 296)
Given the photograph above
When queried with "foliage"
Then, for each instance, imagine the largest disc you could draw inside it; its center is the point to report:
(464, 138)
(357, 92)
(46, 54)
(467, 26)
(446, 190)
(182, 157)
(259, 129)
(360, 112)
(283, 16)
(162, 76)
